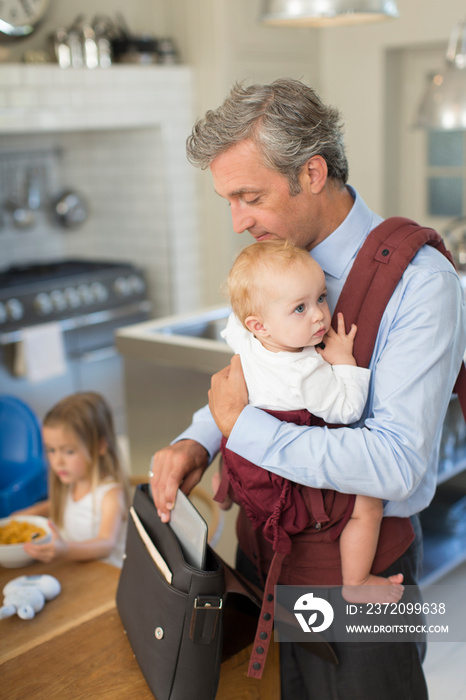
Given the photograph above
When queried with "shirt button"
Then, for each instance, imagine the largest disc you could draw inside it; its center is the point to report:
(318, 526)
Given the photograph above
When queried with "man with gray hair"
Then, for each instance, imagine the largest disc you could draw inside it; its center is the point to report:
(276, 155)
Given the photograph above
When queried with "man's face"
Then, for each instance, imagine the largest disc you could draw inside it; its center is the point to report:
(260, 198)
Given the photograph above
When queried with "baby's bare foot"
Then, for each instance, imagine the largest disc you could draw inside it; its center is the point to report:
(375, 589)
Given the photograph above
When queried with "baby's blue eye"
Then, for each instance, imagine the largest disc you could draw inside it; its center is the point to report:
(322, 298)
(299, 309)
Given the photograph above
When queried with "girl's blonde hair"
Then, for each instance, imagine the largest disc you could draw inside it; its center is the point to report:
(88, 416)
(246, 277)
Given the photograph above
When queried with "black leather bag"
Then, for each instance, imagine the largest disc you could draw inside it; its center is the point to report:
(176, 630)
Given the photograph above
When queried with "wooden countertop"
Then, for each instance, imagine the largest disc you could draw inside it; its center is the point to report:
(76, 648)
(88, 590)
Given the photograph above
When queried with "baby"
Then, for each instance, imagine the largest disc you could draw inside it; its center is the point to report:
(293, 359)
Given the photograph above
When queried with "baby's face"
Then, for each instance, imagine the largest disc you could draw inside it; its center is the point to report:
(296, 313)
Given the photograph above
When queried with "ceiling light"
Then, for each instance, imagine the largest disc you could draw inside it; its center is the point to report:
(326, 13)
(443, 105)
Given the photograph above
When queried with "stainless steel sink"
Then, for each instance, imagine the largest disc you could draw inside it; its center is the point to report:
(200, 327)
(168, 364)
(188, 341)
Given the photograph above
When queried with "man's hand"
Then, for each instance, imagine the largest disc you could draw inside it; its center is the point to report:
(180, 465)
(228, 395)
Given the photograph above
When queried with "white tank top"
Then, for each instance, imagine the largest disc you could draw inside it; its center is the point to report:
(82, 521)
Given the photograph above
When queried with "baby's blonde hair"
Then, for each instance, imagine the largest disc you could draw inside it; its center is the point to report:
(89, 417)
(245, 280)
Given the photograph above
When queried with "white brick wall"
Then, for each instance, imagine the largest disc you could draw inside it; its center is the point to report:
(118, 136)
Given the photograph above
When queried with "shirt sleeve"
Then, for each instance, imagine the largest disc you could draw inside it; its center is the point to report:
(336, 393)
(203, 430)
(389, 454)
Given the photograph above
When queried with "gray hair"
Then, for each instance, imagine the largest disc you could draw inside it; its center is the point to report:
(286, 120)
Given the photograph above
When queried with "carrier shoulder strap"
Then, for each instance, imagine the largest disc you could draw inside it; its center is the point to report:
(378, 268)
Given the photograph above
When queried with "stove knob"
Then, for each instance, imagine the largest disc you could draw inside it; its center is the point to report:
(99, 291)
(136, 283)
(3, 315)
(72, 297)
(43, 304)
(85, 293)
(15, 309)
(122, 288)
(58, 300)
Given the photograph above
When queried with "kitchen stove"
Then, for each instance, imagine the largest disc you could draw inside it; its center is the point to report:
(69, 291)
(87, 302)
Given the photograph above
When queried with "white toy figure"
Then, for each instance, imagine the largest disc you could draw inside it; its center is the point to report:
(26, 595)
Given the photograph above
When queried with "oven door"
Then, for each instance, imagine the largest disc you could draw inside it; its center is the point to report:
(96, 363)
(92, 362)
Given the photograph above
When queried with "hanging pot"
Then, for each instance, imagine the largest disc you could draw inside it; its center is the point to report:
(70, 209)
(18, 202)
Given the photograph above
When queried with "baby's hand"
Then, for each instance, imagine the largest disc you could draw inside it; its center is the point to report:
(339, 346)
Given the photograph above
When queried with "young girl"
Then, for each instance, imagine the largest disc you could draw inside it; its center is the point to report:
(88, 492)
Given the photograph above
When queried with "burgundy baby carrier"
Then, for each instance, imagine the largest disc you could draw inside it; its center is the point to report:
(279, 518)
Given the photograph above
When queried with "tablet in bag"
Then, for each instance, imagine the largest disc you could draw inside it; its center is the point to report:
(190, 529)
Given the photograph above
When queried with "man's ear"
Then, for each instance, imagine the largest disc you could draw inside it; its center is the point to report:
(315, 173)
(255, 325)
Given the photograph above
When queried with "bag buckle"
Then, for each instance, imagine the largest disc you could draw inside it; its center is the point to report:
(204, 618)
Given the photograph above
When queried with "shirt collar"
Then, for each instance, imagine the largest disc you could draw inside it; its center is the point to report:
(337, 250)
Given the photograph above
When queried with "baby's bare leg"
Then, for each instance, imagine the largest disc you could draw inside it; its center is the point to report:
(358, 544)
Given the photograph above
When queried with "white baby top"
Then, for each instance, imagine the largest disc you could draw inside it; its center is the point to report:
(82, 521)
(286, 381)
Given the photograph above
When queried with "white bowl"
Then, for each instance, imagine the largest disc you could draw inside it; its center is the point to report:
(13, 555)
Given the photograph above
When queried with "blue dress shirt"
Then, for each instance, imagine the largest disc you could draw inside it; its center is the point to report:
(392, 451)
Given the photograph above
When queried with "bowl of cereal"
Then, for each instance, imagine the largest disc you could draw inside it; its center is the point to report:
(15, 531)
